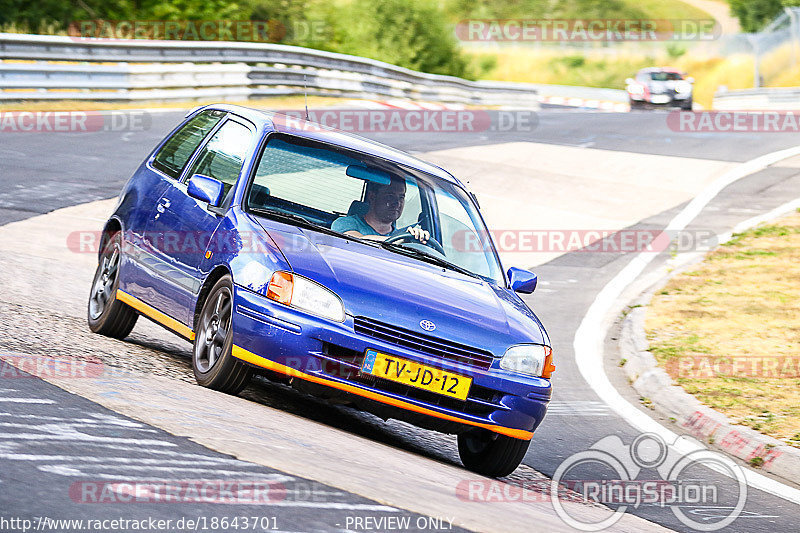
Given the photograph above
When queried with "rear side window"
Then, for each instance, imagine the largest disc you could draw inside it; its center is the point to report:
(223, 156)
(176, 152)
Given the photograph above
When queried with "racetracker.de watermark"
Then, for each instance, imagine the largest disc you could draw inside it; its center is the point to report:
(715, 366)
(74, 121)
(409, 120)
(587, 30)
(222, 491)
(188, 243)
(591, 241)
(734, 121)
(267, 31)
(21, 366)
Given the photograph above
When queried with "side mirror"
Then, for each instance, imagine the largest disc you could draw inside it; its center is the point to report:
(690, 79)
(521, 280)
(206, 189)
(629, 81)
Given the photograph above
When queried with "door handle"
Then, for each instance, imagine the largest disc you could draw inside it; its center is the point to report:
(163, 205)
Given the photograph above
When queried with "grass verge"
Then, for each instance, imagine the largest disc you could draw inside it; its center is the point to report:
(728, 331)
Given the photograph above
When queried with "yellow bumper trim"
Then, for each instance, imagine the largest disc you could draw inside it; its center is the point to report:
(250, 357)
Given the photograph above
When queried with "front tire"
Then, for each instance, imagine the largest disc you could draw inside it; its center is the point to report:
(489, 453)
(214, 366)
(107, 315)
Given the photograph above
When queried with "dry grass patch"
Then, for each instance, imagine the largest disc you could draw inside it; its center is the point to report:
(729, 330)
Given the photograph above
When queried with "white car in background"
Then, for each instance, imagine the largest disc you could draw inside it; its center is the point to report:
(660, 86)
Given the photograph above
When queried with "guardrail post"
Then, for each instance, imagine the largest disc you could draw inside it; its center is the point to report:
(753, 39)
(793, 32)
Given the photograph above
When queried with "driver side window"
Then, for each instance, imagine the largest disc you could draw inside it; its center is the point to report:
(413, 206)
(223, 156)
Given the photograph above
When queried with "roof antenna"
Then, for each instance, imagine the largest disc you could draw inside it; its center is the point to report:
(305, 94)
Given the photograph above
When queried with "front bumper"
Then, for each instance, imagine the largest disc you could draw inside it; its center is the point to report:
(322, 352)
(671, 98)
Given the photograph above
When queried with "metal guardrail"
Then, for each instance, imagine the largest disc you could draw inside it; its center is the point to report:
(140, 70)
(571, 91)
(38, 67)
(777, 99)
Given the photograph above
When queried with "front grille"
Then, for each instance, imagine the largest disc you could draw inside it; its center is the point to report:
(346, 364)
(426, 344)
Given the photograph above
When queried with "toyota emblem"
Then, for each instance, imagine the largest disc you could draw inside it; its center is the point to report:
(427, 325)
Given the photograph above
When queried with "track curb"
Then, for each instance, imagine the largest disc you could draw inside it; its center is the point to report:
(704, 423)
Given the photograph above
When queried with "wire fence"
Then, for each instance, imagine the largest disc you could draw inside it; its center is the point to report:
(776, 49)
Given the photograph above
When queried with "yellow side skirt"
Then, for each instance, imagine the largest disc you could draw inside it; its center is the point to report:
(155, 314)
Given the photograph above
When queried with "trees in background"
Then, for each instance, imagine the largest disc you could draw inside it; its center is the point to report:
(753, 15)
(411, 33)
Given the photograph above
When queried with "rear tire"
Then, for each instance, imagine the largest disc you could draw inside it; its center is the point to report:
(489, 453)
(214, 366)
(107, 315)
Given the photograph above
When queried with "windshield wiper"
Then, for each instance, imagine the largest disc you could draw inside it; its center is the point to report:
(302, 221)
(428, 258)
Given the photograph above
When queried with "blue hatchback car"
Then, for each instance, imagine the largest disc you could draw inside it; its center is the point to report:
(354, 271)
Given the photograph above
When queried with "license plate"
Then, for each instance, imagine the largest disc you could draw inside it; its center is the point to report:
(659, 99)
(417, 375)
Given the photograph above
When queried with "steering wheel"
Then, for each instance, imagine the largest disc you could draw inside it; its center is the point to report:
(408, 237)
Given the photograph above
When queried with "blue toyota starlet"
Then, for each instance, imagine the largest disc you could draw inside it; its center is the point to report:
(352, 270)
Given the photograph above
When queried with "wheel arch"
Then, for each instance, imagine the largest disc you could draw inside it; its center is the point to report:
(213, 277)
(113, 225)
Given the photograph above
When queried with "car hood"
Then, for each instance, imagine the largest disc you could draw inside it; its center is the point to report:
(401, 291)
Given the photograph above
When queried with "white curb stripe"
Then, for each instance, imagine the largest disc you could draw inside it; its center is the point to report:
(593, 103)
(781, 210)
(589, 337)
(26, 400)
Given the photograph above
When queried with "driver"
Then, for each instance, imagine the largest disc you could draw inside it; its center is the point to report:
(386, 204)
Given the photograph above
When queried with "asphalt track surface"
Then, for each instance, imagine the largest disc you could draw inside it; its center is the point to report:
(50, 478)
(42, 172)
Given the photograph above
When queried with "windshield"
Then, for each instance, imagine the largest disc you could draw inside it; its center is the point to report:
(360, 196)
(665, 76)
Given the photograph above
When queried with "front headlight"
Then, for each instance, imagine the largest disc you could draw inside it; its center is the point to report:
(635, 89)
(306, 295)
(533, 359)
(683, 87)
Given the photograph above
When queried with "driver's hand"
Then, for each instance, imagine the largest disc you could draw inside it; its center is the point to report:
(420, 234)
